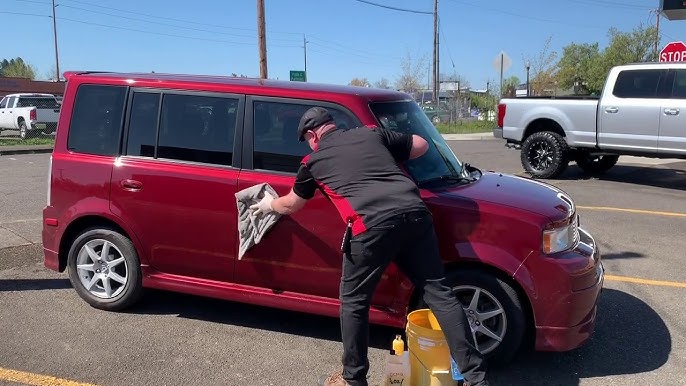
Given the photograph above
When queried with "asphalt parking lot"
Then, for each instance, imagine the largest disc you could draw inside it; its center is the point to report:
(636, 212)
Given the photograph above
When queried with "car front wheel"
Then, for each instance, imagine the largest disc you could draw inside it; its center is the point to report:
(104, 269)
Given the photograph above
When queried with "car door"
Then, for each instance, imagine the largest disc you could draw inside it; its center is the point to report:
(629, 116)
(4, 122)
(176, 180)
(672, 138)
(301, 252)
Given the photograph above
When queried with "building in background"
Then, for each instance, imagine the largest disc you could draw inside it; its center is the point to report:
(22, 85)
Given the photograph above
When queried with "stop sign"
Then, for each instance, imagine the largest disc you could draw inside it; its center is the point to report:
(673, 52)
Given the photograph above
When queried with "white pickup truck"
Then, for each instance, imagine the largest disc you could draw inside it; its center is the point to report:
(641, 111)
(29, 113)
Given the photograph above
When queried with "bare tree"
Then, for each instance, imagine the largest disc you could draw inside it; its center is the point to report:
(383, 83)
(543, 70)
(410, 81)
(360, 82)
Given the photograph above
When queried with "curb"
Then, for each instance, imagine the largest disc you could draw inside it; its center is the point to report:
(9, 150)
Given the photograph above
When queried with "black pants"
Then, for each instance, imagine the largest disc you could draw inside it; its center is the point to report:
(409, 240)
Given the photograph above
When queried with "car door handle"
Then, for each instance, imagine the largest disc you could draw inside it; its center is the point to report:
(131, 185)
(612, 110)
(672, 111)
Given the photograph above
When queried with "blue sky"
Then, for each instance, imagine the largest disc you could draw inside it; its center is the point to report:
(346, 38)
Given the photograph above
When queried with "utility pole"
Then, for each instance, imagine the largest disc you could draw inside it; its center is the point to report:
(657, 35)
(305, 48)
(54, 32)
(262, 39)
(435, 72)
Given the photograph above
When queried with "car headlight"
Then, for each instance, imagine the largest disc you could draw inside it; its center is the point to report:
(561, 238)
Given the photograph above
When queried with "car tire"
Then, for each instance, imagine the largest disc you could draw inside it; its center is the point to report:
(544, 154)
(494, 294)
(23, 130)
(112, 282)
(596, 164)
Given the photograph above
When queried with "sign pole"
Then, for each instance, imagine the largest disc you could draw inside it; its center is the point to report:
(502, 63)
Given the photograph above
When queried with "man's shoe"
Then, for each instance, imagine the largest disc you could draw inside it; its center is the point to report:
(334, 379)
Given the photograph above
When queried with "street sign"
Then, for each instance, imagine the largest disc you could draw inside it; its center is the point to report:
(298, 76)
(503, 59)
(673, 52)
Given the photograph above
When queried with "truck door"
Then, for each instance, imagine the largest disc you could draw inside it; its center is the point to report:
(3, 114)
(629, 114)
(672, 136)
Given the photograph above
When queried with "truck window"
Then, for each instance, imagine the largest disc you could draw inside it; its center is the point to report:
(10, 102)
(679, 87)
(638, 83)
(96, 121)
(197, 128)
(3, 103)
(38, 102)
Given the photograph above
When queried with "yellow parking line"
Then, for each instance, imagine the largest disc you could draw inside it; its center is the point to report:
(36, 379)
(639, 211)
(625, 279)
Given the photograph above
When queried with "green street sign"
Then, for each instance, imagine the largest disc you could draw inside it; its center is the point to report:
(298, 76)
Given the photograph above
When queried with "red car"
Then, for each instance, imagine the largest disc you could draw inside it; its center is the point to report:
(141, 194)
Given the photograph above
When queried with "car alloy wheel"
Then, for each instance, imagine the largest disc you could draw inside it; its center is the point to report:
(102, 268)
(487, 318)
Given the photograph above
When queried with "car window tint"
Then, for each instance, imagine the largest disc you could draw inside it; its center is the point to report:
(197, 128)
(679, 87)
(638, 83)
(38, 102)
(95, 126)
(275, 125)
(142, 129)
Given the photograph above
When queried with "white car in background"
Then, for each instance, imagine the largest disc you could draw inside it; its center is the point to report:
(29, 112)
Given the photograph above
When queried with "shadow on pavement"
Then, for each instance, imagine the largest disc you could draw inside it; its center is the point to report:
(630, 338)
(622, 255)
(238, 314)
(33, 284)
(659, 176)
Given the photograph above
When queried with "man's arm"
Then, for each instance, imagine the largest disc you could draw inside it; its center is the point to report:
(288, 204)
(419, 146)
(403, 146)
(303, 190)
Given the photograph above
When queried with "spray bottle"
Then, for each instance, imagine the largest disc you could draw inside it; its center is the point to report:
(397, 371)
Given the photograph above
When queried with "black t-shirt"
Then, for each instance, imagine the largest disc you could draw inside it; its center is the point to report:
(358, 170)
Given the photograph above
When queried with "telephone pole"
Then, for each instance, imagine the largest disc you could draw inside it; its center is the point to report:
(435, 64)
(54, 32)
(305, 48)
(657, 35)
(262, 39)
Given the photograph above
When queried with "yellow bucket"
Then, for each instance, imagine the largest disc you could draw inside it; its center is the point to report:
(426, 343)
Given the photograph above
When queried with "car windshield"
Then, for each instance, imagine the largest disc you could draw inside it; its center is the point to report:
(439, 162)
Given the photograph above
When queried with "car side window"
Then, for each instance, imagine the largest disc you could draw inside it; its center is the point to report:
(638, 83)
(142, 129)
(96, 120)
(679, 87)
(197, 128)
(275, 126)
(10, 102)
(3, 103)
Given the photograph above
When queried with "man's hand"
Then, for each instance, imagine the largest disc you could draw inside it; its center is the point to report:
(264, 206)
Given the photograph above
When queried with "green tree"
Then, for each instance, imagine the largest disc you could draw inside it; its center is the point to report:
(510, 86)
(578, 67)
(17, 68)
(543, 70)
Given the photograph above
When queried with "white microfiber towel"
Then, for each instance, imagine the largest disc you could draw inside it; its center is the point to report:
(251, 227)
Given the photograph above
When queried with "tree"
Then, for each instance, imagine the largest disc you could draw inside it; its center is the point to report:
(360, 82)
(510, 87)
(410, 81)
(543, 70)
(578, 67)
(17, 68)
(383, 83)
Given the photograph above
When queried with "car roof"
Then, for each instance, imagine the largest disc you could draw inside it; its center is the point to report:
(246, 85)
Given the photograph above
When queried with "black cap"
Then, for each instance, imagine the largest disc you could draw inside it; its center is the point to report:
(313, 118)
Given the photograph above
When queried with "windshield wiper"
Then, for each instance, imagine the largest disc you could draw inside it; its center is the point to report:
(448, 177)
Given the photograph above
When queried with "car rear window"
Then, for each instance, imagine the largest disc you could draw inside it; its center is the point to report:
(96, 121)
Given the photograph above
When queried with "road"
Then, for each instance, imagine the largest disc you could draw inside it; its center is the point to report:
(173, 339)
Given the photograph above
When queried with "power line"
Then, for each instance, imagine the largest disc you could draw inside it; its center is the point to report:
(611, 4)
(171, 25)
(395, 8)
(445, 40)
(23, 14)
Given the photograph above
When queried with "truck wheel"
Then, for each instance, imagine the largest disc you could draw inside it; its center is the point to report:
(596, 164)
(22, 130)
(545, 155)
(104, 269)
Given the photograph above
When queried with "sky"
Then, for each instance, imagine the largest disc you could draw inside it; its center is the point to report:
(345, 38)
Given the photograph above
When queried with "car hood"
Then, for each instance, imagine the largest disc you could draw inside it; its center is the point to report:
(516, 192)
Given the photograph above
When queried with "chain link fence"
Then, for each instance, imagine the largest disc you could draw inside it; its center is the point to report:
(28, 119)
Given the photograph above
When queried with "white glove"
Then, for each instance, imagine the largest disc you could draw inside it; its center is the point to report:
(264, 206)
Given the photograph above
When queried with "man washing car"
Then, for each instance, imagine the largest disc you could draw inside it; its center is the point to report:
(387, 221)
